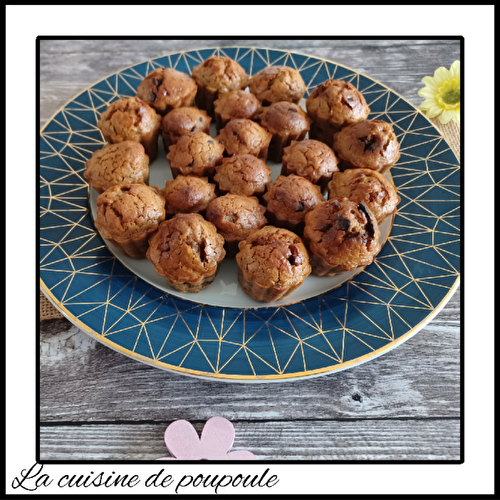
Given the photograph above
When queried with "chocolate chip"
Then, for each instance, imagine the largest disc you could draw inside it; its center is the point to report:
(369, 146)
(193, 129)
(369, 222)
(295, 259)
(210, 141)
(191, 164)
(344, 224)
(201, 119)
(300, 207)
(155, 82)
(292, 109)
(152, 97)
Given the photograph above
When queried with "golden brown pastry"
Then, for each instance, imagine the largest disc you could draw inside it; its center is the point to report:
(235, 104)
(122, 163)
(277, 83)
(128, 214)
(272, 263)
(182, 121)
(187, 251)
(243, 136)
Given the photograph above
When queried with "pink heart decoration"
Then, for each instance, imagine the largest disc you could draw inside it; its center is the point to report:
(216, 440)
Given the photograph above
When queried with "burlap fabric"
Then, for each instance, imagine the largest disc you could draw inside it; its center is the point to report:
(450, 131)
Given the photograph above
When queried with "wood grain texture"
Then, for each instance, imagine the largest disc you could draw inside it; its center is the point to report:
(285, 440)
(96, 403)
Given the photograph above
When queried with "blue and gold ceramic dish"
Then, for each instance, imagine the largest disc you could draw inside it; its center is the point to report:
(409, 282)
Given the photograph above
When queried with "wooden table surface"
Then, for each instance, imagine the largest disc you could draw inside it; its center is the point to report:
(97, 404)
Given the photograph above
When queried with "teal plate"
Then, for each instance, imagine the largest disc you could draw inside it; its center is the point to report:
(410, 280)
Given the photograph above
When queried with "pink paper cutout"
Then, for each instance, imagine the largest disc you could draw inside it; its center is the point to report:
(216, 440)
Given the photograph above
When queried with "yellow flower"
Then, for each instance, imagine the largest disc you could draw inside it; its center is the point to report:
(442, 94)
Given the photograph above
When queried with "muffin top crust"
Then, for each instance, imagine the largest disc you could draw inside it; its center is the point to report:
(278, 83)
(220, 73)
(363, 184)
(342, 232)
(129, 211)
(167, 88)
(236, 104)
(310, 159)
(243, 136)
(291, 197)
(193, 152)
(122, 163)
(337, 101)
(285, 118)
(128, 118)
(182, 121)
(236, 216)
(186, 248)
(274, 257)
(367, 144)
(243, 174)
(187, 194)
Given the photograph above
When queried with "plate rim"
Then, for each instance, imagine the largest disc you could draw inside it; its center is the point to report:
(283, 377)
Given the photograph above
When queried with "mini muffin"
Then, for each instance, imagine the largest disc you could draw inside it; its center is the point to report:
(122, 163)
(272, 263)
(234, 104)
(341, 235)
(128, 214)
(182, 121)
(243, 174)
(289, 199)
(131, 119)
(187, 194)
(235, 217)
(165, 89)
(310, 159)
(277, 83)
(286, 122)
(368, 144)
(333, 105)
(243, 136)
(217, 74)
(196, 154)
(187, 251)
(365, 185)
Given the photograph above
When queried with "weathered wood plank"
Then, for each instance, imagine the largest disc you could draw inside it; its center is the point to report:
(68, 67)
(285, 440)
(84, 380)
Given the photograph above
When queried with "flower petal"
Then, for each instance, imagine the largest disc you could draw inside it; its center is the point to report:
(455, 69)
(446, 116)
(457, 118)
(430, 82)
(433, 112)
(426, 92)
(427, 104)
(441, 74)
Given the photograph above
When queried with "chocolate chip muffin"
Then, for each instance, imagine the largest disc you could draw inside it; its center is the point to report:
(128, 214)
(187, 194)
(187, 251)
(286, 122)
(217, 74)
(277, 83)
(182, 121)
(165, 89)
(122, 163)
(235, 217)
(289, 199)
(333, 105)
(341, 235)
(235, 104)
(243, 136)
(367, 144)
(310, 159)
(365, 185)
(272, 263)
(196, 154)
(243, 174)
(131, 119)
